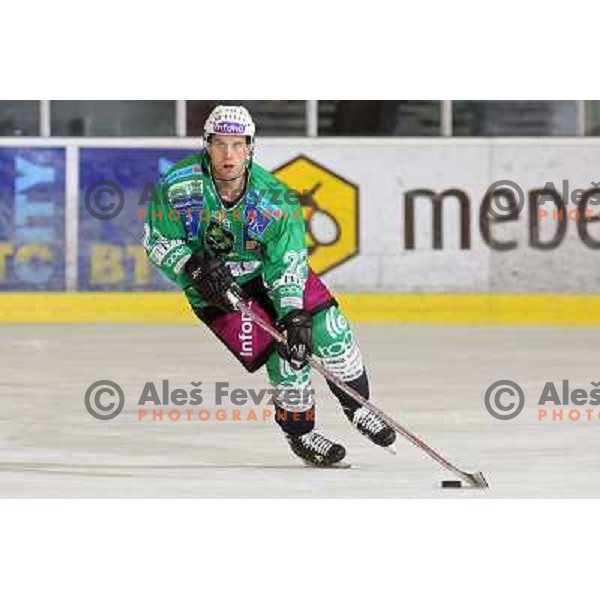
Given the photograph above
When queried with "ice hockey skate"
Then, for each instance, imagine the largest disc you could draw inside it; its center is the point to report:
(316, 450)
(374, 427)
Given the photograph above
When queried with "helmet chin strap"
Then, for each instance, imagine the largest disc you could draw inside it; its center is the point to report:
(230, 201)
(232, 179)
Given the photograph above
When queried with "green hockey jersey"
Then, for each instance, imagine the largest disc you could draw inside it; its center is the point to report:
(261, 235)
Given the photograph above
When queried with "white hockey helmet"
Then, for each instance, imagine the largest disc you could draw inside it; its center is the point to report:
(229, 120)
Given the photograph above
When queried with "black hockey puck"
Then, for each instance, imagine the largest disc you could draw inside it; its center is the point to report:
(451, 484)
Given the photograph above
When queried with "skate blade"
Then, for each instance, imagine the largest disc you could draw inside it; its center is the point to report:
(391, 448)
(338, 465)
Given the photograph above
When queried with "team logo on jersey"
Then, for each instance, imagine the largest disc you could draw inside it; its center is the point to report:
(219, 240)
(330, 205)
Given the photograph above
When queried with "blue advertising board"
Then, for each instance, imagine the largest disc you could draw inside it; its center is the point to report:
(115, 185)
(32, 219)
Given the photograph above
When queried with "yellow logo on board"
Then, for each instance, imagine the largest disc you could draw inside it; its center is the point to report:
(330, 205)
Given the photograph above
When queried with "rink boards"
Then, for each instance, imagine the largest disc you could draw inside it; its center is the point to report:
(403, 230)
(171, 307)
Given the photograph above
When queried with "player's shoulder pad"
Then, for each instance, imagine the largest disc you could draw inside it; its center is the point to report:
(269, 193)
(187, 167)
(261, 177)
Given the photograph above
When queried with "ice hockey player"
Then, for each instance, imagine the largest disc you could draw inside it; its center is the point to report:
(237, 225)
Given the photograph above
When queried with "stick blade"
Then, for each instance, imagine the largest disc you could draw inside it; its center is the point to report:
(478, 480)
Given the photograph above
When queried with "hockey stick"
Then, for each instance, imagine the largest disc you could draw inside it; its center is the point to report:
(476, 480)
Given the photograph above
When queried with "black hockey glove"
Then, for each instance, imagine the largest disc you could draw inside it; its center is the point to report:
(212, 278)
(298, 328)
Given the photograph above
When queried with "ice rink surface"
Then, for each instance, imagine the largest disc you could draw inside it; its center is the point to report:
(431, 379)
